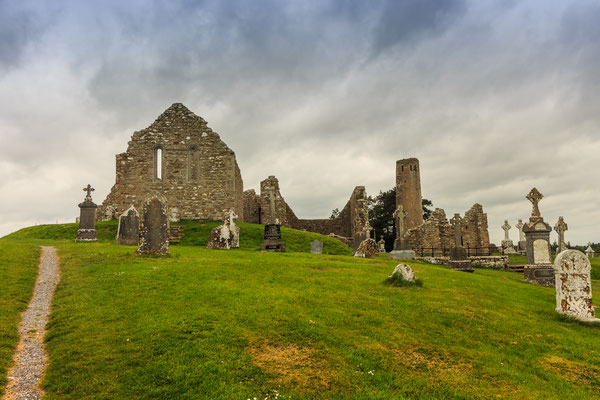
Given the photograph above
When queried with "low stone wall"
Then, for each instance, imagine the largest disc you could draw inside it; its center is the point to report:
(435, 260)
(476, 261)
(489, 261)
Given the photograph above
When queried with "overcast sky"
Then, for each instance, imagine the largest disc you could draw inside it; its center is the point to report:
(493, 97)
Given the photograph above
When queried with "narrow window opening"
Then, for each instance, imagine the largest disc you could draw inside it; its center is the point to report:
(159, 164)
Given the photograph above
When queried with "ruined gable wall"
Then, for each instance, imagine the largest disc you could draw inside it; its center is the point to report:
(252, 207)
(200, 175)
(475, 228)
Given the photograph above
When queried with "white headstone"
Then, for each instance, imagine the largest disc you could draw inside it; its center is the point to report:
(405, 272)
(573, 285)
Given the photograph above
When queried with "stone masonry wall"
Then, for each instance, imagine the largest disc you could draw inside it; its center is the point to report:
(350, 220)
(475, 230)
(252, 207)
(436, 232)
(180, 158)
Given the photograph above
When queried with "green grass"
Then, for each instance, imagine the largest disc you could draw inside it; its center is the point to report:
(195, 233)
(242, 324)
(18, 270)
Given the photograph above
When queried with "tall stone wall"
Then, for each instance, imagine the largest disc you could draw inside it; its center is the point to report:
(180, 158)
(352, 218)
(252, 207)
(475, 228)
(408, 191)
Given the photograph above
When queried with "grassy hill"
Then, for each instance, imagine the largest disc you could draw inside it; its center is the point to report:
(195, 233)
(245, 324)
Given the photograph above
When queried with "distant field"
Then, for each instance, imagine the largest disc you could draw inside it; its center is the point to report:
(242, 324)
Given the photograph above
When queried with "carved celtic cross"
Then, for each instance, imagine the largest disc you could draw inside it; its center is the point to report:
(400, 214)
(271, 193)
(534, 197)
(456, 222)
(519, 226)
(560, 228)
(506, 228)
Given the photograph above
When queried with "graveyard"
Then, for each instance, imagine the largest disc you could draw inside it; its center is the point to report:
(244, 323)
(299, 199)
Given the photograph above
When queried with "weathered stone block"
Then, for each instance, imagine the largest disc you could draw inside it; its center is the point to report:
(366, 249)
(404, 271)
(128, 231)
(574, 285)
(154, 228)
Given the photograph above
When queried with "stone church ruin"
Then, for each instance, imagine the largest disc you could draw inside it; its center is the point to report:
(179, 158)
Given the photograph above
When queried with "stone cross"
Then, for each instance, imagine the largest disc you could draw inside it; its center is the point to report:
(271, 193)
(229, 219)
(560, 228)
(506, 228)
(519, 226)
(534, 197)
(89, 189)
(456, 222)
(400, 214)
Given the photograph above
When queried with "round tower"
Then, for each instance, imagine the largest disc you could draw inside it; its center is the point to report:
(408, 191)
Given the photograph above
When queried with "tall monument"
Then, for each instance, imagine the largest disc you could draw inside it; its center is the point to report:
(408, 191)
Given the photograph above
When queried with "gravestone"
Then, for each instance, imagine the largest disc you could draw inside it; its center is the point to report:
(154, 227)
(522, 244)
(316, 247)
(405, 271)
(538, 269)
(560, 228)
(87, 218)
(589, 251)
(366, 249)
(128, 231)
(226, 236)
(458, 255)
(272, 238)
(573, 285)
(402, 249)
(507, 244)
(381, 244)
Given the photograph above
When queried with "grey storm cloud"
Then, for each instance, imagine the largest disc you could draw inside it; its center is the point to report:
(492, 97)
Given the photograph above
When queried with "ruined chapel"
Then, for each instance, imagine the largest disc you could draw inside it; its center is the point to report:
(179, 157)
(185, 162)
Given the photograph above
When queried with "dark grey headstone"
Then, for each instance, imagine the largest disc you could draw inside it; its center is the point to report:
(154, 228)
(129, 227)
(272, 240)
(87, 218)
